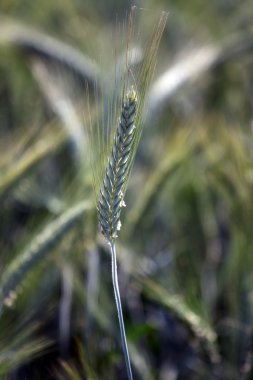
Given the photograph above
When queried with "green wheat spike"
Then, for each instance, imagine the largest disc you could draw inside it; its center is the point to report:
(111, 199)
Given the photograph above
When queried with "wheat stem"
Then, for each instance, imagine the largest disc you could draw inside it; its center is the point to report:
(119, 309)
(111, 190)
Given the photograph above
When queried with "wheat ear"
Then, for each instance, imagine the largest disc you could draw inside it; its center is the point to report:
(111, 197)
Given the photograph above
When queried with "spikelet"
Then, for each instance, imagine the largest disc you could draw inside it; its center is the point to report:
(111, 199)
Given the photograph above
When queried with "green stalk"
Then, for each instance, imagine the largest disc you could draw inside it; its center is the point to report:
(119, 309)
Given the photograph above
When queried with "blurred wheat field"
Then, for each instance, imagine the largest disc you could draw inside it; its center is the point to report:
(185, 260)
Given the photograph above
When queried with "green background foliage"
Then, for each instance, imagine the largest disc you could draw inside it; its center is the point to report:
(185, 248)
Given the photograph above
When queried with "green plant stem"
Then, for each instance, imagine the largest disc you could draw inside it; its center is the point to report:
(119, 309)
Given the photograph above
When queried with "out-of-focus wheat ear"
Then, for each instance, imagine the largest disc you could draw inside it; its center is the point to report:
(37, 250)
(110, 200)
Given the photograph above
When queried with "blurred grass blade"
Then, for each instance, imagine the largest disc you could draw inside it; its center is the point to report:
(140, 363)
(56, 88)
(17, 344)
(189, 67)
(38, 249)
(66, 302)
(33, 42)
(195, 322)
(185, 69)
(37, 153)
(179, 149)
(10, 359)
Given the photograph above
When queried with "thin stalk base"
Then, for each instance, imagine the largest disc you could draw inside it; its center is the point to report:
(119, 310)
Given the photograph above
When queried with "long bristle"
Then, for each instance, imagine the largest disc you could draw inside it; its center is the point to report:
(121, 86)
